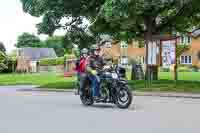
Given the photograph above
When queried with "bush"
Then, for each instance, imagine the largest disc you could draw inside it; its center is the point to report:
(184, 69)
(11, 64)
(161, 69)
(52, 61)
(195, 68)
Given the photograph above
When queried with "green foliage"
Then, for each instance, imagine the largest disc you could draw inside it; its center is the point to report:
(2, 47)
(195, 68)
(3, 59)
(57, 43)
(7, 64)
(184, 69)
(13, 53)
(52, 61)
(79, 37)
(11, 64)
(55, 61)
(54, 11)
(180, 49)
(161, 69)
(28, 40)
(144, 18)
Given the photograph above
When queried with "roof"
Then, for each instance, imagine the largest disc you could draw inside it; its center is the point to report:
(196, 33)
(35, 54)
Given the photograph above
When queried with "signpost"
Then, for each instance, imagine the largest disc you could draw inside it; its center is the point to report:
(168, 54)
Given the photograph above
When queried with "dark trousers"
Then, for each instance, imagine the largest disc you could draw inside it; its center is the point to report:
(95, 85)
(82, 80)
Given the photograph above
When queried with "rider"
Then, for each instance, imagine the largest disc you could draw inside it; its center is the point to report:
(81, 69)
(95, 63)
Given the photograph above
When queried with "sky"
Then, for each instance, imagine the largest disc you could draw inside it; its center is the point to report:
(13, 22)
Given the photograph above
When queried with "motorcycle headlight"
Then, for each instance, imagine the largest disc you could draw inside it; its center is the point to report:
(114, 76)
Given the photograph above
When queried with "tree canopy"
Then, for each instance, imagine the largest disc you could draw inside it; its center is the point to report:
(28, 40)
(144, 18)
(64, 14)
(57, 43)
(122, 19)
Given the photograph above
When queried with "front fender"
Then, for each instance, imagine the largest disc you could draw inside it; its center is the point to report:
(123, 82)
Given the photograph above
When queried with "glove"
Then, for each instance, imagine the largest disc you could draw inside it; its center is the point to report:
(94, 72)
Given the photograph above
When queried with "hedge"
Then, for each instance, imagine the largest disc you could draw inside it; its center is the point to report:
(52, 61)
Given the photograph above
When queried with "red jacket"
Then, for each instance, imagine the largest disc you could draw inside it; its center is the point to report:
(82, 65)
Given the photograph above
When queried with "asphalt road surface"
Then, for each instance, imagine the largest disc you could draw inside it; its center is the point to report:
(49, 112)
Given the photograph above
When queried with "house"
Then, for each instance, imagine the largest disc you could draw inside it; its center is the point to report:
(27, 58)
(191, 56)
(125, 53)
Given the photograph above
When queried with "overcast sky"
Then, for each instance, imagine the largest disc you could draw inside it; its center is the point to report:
(13, 22)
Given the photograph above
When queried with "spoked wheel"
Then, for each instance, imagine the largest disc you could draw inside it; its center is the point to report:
(124, 98)
(86, 98)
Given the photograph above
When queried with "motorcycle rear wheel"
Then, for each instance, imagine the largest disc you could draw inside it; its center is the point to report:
(86, 99)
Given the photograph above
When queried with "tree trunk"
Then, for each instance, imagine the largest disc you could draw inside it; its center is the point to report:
(150, 24)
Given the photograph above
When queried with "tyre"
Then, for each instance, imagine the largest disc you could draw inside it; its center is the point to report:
(86, 98)
(124, 97)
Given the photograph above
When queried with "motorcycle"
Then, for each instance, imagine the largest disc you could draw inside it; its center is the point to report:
(113, 89)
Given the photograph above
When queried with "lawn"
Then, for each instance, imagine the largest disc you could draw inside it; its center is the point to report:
(51, 80)
(189, 82)
(188, 76)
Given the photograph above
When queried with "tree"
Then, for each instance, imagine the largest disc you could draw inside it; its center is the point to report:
(79, 37)
(127, 19)
(3, 59)
(57, 43)
(2, 47)
(28, 40)
(61, 13)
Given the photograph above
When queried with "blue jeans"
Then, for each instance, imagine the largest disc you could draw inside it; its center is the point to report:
(95, 85)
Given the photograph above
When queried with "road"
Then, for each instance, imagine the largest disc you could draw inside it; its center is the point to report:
(50, 112)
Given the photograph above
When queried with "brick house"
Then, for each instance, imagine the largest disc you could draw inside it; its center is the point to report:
(191, 56)
(125, 53)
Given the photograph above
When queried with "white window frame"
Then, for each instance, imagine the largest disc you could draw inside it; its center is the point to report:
(185, 59)
(185, 40)
(124, 45)
(124, 60)
(108, 44)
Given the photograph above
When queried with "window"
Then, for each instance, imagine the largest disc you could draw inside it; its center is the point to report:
(108, 44)
(124, 45)
(182, 39)
(189, 39)
(185, 40)
(124, 60)
(186, 59)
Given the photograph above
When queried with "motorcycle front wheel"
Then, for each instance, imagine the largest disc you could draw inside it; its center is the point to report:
(124, 97)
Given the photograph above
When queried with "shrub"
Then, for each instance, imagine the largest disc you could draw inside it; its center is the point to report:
(184, 69)
(195, 68)
(164, 69)
(52, 61)
(11, 65)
